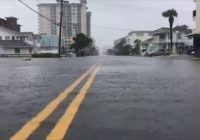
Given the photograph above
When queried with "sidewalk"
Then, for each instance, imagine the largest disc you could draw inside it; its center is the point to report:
(180, 57)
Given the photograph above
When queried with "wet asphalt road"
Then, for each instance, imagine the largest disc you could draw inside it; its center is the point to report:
(132, 98)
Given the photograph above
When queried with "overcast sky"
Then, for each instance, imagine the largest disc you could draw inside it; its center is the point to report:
(111, 19)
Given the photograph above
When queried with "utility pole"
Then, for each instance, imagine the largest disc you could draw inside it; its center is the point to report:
(60, 27)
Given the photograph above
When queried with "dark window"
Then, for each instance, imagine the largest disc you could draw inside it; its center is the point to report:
(30, 51)
(17, 51)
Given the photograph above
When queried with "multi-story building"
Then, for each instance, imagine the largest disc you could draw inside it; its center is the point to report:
(160, 43)
(10, 23)
(14, 43)
(134, 35)
(89, 24)
(196, 32)
(74, 18)
(49, 42)
(119, 40)
(68, 41)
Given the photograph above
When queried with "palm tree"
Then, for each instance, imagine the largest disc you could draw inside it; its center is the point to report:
(170, 14)
(137, 46)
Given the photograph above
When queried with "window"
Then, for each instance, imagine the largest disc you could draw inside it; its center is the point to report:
(17, 51)
(162, 36)
(0, 37)
(178, 36)
(7, 38)
(30, 51)
(140, 34)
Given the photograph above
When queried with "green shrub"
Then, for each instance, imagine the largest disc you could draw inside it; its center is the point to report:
(45, 55)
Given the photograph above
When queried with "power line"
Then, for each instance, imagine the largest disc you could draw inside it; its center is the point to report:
(111, 28)
(38, 13)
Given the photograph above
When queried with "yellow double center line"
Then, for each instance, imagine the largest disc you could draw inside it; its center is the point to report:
(63, 124)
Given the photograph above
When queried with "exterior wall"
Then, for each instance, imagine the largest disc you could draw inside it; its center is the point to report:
(57, 19)
(84, 18)
(44, 24)
(10, 23)
(11, 51)
(2, 51)
(74, 19)
(28, 38)
(6, 33)
(196, 38)
(197, 17)
(162, 44)
(89, 24)
(119, 40)
(50, 41)
(68, 41)
(133, 36)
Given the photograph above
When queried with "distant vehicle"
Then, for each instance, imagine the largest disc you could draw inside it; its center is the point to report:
(193, 52)
(71, 54)
(26, 59)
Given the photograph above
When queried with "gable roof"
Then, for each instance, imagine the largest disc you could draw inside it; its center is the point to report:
(167, 30)
(139, 32)
(14, 44)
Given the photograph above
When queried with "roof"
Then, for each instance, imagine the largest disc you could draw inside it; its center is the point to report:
(120, 39)
(58, 4)
(148, 40)
(167, 30)
(140, 32)
(26, 33)
(161, 30)
(193, 34)
(14, 44)
(11, 17)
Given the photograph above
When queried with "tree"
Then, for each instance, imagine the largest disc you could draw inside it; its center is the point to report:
(170, 14)
(183, 28)
(136, 50)
(121, 48)
(81, 42)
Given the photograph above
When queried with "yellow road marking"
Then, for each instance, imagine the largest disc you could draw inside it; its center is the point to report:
(35, 122)
(63, 124)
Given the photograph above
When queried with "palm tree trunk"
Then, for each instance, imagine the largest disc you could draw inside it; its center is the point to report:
(171, 38)
(171, 21)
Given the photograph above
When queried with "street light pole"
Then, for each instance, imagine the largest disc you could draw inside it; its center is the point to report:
(60, 27)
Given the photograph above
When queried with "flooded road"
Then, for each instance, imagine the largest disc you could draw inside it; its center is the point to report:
(130, 98)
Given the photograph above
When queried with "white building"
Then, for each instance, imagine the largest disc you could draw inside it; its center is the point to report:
(196, 16)
(196, 32)
(119, 40)
(160, 43)
(16, 43)
(74, 18)
(134, 35)
(140, 35)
